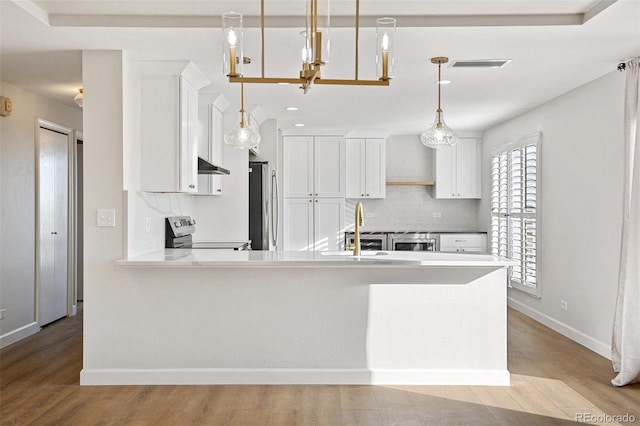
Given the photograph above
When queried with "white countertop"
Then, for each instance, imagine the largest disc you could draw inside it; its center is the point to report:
(206, 258)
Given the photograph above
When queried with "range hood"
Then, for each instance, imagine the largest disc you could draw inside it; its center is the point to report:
(206, 168)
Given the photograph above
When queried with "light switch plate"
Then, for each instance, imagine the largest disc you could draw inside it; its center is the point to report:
(106, 218)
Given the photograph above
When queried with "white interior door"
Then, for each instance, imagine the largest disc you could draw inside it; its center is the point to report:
(53, 202)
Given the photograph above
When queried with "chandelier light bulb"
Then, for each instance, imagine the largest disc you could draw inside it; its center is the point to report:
(232, 38)
(385, 43)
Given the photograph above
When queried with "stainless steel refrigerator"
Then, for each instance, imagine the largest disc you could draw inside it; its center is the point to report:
(263, 206)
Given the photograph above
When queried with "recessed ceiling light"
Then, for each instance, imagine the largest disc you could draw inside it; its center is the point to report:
(443, 82)
(291, 108)
(299, 124)
(283, 84)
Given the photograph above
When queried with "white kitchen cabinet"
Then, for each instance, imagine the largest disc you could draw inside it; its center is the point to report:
(313, 224)
(470, 243)
(210, 141)
(169, 125)
(458, 170)
(314, 166)
(365, 171)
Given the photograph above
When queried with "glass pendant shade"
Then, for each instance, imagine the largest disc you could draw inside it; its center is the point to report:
(242, 136)
(232, 37)
(439, 134)
(385, 48)
(318, 31)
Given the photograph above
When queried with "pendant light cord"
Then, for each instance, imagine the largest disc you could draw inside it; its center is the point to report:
(439, 87)
(242, 105)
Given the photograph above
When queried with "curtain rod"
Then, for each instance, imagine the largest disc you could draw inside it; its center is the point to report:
(623, 65)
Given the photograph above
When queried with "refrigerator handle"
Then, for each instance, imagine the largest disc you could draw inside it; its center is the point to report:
(274, 208)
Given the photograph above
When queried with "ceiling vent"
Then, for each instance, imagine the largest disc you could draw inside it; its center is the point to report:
(479, 63)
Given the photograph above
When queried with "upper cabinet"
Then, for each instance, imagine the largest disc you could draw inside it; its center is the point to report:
(458, 170)
(211, 140)
(314, 166)
(365, 173)
(169, 125)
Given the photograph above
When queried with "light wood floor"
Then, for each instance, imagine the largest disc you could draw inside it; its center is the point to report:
(553, 380)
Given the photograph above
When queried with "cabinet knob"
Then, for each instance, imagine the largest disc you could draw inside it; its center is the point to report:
(316, 201)
(54, 233)
(192, 186)
(311, 201)
(310, 195)
(219, 189)
(367, 195)
(458, 195)
(362, 195)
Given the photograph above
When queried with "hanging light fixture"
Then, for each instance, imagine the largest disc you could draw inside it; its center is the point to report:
(242, 136)
(439, 134)
(232, 44)
(315, 51)
(79, 97)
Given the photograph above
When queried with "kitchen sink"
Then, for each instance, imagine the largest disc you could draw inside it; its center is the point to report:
(350, 253)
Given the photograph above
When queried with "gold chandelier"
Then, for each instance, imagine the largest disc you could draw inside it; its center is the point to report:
(315, 51)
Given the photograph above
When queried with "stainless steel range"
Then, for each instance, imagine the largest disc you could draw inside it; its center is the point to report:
(179, 234)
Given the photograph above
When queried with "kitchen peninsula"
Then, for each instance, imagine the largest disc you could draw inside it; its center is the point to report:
(259, 317)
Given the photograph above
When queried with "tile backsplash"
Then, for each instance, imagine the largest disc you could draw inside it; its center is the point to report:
(411, 208)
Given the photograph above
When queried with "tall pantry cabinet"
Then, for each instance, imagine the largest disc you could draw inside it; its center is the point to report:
(314, 191)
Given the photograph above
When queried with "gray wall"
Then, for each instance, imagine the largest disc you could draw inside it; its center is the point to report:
(580, 207)
(17, 199)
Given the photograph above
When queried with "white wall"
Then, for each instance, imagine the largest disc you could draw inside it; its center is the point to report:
(17, 199)
(580, 207)
(411, 208)
(226, 217)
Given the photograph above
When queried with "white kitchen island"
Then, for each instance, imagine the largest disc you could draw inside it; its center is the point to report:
(252, 317)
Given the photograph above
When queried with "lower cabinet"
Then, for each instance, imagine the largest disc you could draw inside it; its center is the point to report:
(313, 224)
(470, 243)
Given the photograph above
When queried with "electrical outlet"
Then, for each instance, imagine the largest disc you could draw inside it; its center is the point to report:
(437, 214)
(147, 225)
(3, 314)
(106, 218)
(563, 305)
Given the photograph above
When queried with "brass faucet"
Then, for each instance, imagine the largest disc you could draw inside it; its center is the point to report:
(359, 223)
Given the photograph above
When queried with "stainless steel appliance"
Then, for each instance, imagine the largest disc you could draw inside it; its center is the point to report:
(179, 231)
(368, 240)
(413, 241)
(263, 206)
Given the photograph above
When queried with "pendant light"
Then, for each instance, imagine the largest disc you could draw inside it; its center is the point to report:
(79, 97)
(242, 136)
(439, 134)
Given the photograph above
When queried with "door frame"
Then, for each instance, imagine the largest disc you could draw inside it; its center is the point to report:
(71, 214)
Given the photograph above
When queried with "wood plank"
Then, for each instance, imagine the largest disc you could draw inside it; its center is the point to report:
(553, 379)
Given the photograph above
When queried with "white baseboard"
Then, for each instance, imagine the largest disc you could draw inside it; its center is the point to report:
(562, 328)
(275, 376)
(18, 334)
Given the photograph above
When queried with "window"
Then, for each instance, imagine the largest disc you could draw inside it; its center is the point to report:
(514, 209)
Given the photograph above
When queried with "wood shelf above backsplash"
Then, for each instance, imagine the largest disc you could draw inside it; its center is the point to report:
(412, 183)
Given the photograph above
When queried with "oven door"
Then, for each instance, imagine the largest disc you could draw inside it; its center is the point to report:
(429, 244)
(414, 242)
(376, 242)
